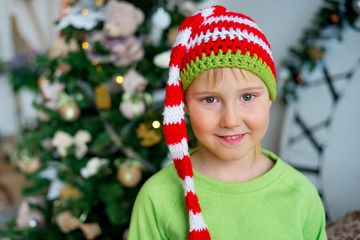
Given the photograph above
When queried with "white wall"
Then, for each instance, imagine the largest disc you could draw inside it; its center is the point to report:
(283, 22)
(35, 23)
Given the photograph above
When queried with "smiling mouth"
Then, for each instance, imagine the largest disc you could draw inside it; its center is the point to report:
(232, 139)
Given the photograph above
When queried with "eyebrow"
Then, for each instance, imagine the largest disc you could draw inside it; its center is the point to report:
(240, 90)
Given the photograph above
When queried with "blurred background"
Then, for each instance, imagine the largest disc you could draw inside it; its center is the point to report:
(81, 97)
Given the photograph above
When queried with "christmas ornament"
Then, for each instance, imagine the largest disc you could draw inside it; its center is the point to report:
(62, 141)
(49, 92)
(162, 60)
(29, 217)
(315, 53)
(299, 79)
(93, 166)
(102, 98)
(149, 136)
(67, 222)
(69, 110)
(187, 8)
(50, 173)
(133, 82)
(356, 6)
(129, 174)
(29, 164)
(69, 192)
(118, 35)
(172, 34)
(60, 47)
(131, 109)
(334, 18)
(160, 21)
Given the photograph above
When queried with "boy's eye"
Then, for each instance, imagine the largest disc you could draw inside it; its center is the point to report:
(248, 97)
(210, 100)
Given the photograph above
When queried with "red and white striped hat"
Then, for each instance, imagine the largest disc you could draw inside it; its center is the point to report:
(212, 38)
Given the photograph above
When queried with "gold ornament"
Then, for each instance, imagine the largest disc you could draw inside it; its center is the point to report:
(69, 111)
(69, 192)
(103, 99)
(149, 137)
(129, 175)
(315, 53)
(172, 34)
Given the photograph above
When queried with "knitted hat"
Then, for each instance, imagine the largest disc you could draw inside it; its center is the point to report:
(212, 38)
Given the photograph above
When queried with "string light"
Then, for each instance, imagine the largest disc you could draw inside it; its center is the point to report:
(119, 79)
(156, 124)
(85, 45)
(85, 12)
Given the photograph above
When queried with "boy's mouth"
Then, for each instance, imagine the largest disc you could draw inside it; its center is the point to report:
(233, 139)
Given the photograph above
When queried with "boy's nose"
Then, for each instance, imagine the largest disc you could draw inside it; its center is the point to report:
(230, 117)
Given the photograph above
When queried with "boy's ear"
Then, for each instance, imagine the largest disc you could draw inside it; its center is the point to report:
(186, 109)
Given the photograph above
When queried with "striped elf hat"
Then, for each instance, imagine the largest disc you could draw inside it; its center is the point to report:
(212, 38)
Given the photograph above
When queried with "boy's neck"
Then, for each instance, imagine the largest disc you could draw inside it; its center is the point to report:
(249, 167)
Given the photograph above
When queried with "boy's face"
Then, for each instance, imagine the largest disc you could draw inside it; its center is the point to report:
(229, 112)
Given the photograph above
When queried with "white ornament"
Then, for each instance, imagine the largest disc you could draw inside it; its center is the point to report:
(160, 21)
(93, 166)
(162, 60)
(63, 140)
(134, 82)
(131, 109)
(50, 173)
(187, 8)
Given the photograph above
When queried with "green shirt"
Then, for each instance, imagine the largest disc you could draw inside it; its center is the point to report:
(281, 204)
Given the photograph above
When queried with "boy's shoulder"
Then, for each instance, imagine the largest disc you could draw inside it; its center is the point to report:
(164, 184)
(291, 177)
(297, 181)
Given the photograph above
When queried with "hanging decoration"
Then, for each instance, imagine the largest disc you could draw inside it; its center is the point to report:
(29, 217)
(68, 108)
(160, 21)
(93, 166)
(50, 92)
(62, 141)
(119, 44)
(103, 99)
(129, 174)
(67, 222)
(148, 136)
(29, 164)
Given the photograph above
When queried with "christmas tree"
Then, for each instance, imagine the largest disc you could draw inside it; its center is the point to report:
(98, 135)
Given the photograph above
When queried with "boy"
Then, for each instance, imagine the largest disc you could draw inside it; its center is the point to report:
(223, 77)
